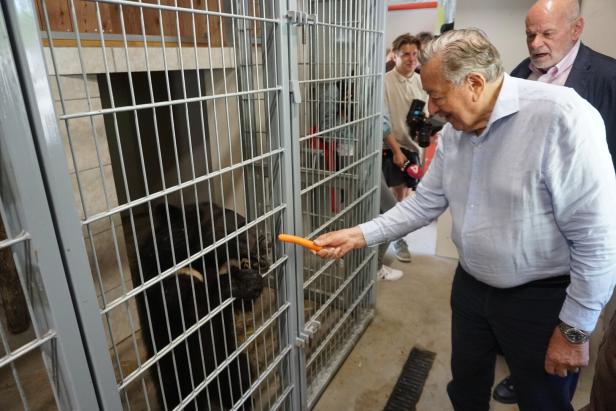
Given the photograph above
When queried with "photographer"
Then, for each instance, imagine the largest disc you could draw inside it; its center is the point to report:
(402, 85)
(421, 129)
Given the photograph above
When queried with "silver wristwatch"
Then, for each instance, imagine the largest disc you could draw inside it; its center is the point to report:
(572, 334)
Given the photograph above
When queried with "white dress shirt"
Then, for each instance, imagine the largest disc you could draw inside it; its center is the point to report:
(399, 92)
(532, 197)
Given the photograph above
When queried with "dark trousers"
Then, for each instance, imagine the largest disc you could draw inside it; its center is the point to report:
(518, 322)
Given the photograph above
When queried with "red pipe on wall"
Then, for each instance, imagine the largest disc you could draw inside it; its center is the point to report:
(413, 6)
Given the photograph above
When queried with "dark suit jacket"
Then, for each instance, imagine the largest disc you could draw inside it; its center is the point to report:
(593, 76)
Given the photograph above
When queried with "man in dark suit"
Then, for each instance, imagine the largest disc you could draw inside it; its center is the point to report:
(557, 56)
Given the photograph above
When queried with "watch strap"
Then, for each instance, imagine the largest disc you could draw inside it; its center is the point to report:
(572, 334)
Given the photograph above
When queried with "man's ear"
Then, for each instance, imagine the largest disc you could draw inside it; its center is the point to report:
(476, 83)
(578, 28)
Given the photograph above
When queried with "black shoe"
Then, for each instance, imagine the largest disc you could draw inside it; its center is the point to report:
(504, 392)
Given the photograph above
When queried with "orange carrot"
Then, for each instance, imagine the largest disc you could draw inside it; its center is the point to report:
(287, 238)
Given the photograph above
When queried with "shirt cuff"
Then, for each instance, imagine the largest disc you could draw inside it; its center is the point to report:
(578, 316)
(372, 233)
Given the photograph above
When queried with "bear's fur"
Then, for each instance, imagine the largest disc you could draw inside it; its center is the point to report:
(171, 306)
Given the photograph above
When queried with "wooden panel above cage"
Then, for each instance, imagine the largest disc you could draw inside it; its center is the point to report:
(188, 22)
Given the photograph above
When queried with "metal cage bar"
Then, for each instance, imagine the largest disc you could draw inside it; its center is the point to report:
(194, 132)
(168, 150)
(50, 342)
(339, 124)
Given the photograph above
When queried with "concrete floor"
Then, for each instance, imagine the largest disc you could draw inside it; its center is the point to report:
(413, 311)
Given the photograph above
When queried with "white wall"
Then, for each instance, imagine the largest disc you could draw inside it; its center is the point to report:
(600, 30)
(408, 21)
(503, 21)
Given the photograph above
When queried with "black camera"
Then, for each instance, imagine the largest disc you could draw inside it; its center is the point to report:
(420, 127)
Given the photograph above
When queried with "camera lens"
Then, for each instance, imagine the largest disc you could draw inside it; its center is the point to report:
(423, 135)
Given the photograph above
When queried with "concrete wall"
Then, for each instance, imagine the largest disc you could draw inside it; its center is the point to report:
(87, 147)
(502, 20)
(408, 21)
(600, 30)
(94, 190)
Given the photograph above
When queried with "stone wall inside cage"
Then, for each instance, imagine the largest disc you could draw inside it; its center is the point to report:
(87, 147)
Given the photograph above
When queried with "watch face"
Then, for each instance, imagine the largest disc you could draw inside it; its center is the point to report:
(572, 334)
(575, 336)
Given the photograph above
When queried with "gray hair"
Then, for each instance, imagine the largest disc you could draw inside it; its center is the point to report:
(464, 51)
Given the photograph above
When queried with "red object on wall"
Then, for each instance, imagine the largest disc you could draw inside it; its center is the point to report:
(413, 6)
(329, 151)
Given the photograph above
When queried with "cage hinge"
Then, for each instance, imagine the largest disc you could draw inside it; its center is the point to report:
(301, 18)
(295, 91)
(305, 336)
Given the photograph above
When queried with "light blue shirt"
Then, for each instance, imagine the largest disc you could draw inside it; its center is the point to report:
(532, 197)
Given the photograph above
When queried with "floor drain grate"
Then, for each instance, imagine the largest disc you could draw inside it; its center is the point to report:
(409, 386)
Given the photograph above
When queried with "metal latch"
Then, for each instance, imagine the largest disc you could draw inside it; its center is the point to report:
(305, 337)
(295, 91)
(301, 17)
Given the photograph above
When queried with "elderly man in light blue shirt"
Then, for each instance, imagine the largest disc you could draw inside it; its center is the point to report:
(525, 170)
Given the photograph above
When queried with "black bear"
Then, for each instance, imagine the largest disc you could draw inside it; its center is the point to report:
(182, 302)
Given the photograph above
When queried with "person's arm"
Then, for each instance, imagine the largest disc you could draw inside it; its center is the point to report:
(580, 178)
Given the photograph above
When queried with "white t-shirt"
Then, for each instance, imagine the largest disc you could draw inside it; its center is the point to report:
(399, 92)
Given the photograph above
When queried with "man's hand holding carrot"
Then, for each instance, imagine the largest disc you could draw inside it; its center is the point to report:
(337, 243)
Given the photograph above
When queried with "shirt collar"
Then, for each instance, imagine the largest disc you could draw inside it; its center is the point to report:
(401, 78)
(507, 102)
(562, 65)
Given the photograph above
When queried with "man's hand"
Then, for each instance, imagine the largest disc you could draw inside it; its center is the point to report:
(563, 357)
(399, 158)
(337, 243)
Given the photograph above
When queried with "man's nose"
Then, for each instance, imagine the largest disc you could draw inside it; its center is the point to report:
(536, 42)
(432, 108)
